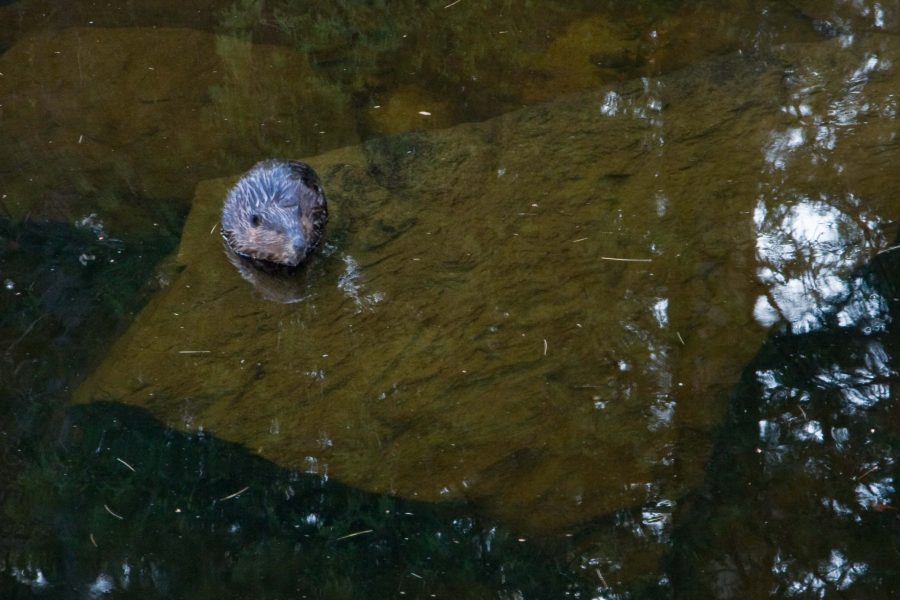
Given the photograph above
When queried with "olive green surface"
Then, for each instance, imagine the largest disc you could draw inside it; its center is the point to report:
(542, 313)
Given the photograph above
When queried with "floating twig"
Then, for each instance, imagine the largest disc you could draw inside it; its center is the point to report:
(236, 494)
(110, 511)
(24, 335)
(354, 534)
(680, 339)
(126, 464)
(866, 473)
(453, 3)
(626, 259)
(194, 351)
(579, 240)
(602, 580)
(545, 346)
(93, 541)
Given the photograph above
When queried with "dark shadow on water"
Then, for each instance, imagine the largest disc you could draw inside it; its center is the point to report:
(123, 504)
(801, 497)
(66, 290)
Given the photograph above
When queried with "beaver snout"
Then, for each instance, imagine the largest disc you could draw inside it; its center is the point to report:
(299, 244)
(276, 213)
(294, 254)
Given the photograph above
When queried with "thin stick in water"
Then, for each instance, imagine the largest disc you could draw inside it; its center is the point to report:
(354, 534)
(236, 494)
(626, 259)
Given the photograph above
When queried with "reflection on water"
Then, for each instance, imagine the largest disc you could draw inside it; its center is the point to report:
(634, 342)
(806, 252)
(155, 512)
(350, 283)
(811, 453)
(809, 240)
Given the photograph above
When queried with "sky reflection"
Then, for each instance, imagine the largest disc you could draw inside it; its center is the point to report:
(805, 251)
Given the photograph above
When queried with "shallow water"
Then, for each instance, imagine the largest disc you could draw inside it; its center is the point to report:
(606, 309)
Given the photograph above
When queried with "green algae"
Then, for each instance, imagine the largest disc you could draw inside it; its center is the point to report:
(530, 313)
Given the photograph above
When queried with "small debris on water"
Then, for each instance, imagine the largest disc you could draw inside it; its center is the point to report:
(236, 494)
(626, 259)
(354, 534)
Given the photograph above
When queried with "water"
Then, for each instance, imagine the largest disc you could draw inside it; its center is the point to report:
(606, 308)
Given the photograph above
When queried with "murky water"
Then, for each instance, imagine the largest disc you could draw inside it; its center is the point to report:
(606, 309)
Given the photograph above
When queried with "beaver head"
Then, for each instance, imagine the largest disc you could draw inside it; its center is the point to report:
(275, 213)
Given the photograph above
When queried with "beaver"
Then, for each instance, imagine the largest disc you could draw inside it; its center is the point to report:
(275, 214)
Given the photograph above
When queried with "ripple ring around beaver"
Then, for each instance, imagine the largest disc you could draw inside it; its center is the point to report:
(272, 220)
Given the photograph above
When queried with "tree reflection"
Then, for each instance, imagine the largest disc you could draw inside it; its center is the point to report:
(806, 249)
(802, 493)
(126, 506)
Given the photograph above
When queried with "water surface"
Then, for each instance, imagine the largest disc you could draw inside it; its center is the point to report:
(606, 307)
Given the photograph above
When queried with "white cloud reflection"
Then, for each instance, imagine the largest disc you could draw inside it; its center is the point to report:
(806, 253)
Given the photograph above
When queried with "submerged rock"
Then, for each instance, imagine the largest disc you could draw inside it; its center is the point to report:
(94, 116)
(543, 313)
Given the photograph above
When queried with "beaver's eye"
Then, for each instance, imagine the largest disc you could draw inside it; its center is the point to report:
(255, 220)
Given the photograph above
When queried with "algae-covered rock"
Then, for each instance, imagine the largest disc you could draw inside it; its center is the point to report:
(92, 111)
(542, 313)
(406, 109)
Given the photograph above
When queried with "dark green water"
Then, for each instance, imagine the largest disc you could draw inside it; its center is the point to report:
(607, 309)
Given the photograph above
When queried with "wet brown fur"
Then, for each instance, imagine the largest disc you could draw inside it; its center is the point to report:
(276, 213)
